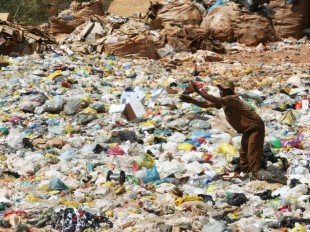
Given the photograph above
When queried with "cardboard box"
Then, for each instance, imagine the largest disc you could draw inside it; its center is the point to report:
(133, 110)
(5, 17)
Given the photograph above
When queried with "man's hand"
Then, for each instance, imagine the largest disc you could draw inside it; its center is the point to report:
(186, 98)
(189, 89)
(197, 87)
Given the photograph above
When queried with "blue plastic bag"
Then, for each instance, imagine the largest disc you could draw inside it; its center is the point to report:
(218, 3)
(163, 132)
(152, 175)
(57, 184)
(200, 134)
(193, 142)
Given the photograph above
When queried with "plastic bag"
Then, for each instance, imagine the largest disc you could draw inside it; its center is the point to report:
(4, 130)
(248, 95)
(57, 184)
(185, 146)
(163, 132)
(177, 137)
(51, 106)
(15, 139)
(295, 142)
(193, 142)
(236, 199)
(276, 143)
(72, 106)
(215, 226)
(146, 161)
(226, 148)
(181, 200)
(199, 124)
(152, 175)
(218, 3)
(54, 74)
(178, 123)
(67, 155)
(289, 118)
(200, 134)
(299, 228)
(115, 151)
(251, 5)
(98, 106)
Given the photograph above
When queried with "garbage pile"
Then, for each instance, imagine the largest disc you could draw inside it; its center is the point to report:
(130, 37)
(153, 30)
(21, 40)
(103, 143)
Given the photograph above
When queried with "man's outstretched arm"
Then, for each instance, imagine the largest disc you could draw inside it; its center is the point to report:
(209, 97)
(202, 104)
(205, 95)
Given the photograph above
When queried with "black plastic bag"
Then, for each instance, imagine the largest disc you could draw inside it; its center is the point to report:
(236, 199)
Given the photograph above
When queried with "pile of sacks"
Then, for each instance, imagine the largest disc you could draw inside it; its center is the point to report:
(173, 26)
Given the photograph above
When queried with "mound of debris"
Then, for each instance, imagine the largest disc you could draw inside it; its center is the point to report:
(17, 39)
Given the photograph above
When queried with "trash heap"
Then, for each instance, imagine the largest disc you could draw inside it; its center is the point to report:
(103, 143)
(17, 39)
(153, 30)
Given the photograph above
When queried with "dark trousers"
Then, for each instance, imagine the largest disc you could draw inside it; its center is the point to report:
(251, 150)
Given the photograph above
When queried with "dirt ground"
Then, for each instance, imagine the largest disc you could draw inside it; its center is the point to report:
(296, 53)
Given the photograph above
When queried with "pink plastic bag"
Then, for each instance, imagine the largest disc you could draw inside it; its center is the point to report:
(115, 151)
(295, 142)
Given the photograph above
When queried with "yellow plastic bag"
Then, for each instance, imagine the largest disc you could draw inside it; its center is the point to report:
(233, 215)
(54, 74)
(4, 118)
(16, 93)
(53, 116)
(299, 228)
(120, 190)
(226, 148)
(109, 213)
(32, 198)
(145, 160)
(72, 204)
(89, 110)
(147, 123)
(15, 110)
(109, 184)
(185, 146)
(52, 193)
(69, 129)
(88, 230)
(45, 187)
(211, 188)
(111, 144)
(181, 200)
(86, 99)
(49, 155)
(148, 95)
(289, 118)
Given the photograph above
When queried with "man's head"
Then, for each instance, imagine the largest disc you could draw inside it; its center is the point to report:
(226, 88)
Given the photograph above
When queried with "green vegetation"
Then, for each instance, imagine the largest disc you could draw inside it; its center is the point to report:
(35, 12)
